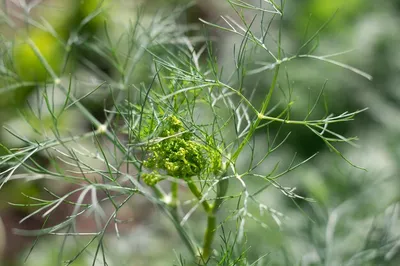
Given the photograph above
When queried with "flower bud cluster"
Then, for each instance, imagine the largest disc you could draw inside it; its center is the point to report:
(178, 155)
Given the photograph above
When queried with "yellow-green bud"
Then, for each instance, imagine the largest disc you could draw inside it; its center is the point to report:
(180, 156)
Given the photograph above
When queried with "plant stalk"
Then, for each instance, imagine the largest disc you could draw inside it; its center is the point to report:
(193, 188)
(209, 236)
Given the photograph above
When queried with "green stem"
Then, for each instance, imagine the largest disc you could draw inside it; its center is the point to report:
(222, 188)
(212, 220)
(197, 193)
(260, 116)
(174, 194)
(296, 122)
(158, 192)
(211, 211)
(209, 236)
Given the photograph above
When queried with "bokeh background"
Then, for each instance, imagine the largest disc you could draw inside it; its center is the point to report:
(356, 217)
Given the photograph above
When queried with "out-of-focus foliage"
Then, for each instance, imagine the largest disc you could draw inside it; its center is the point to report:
(27, 64)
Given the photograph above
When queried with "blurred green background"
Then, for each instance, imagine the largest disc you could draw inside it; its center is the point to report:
(355, 219)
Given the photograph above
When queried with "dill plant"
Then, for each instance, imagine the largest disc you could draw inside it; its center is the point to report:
(181, 128)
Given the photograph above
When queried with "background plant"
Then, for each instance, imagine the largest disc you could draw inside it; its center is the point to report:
(169, 105)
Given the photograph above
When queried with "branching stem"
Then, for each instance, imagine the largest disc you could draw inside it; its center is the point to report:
(197, 193)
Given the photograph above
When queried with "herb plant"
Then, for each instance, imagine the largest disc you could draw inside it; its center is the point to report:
(177, 124)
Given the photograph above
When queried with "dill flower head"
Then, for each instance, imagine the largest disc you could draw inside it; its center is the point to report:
(178, 155)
